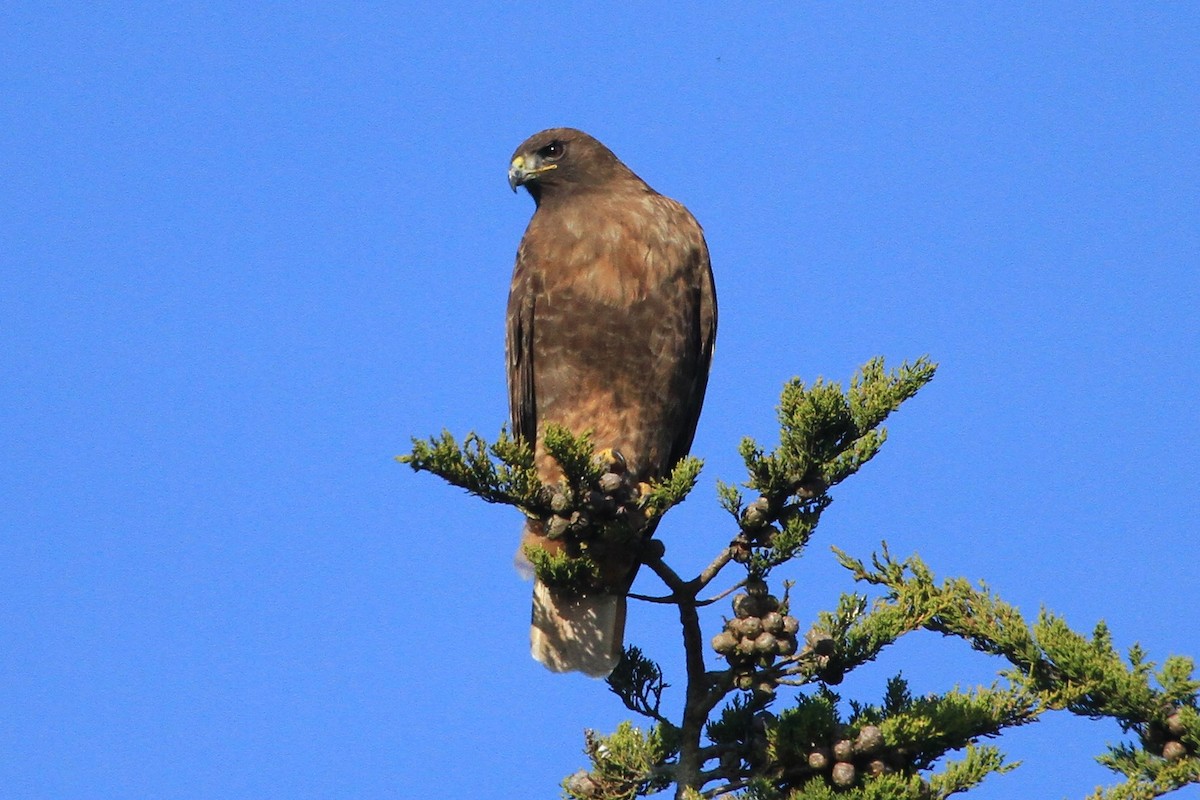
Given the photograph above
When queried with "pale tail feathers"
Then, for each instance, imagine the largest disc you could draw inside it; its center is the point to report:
(522, 564)
(577, 634)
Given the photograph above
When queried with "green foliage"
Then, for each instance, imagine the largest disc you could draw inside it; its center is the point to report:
(956, 776)
(562, 571)
(580, 511)
(739, 734)
(575, 454)
(888, 744)
(1054, 668)
(513, 481)
(625, 765)
(734, 726)
(959, 776)
(826, 435)
(672, 491)
(1177, 681)
(954, 608)
(1148, 775)
(639, 683)
(812, 722)
(929, 727)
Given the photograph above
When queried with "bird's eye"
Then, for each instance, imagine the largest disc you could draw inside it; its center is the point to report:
(551, 151)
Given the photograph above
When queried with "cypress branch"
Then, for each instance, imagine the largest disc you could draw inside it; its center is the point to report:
(738, 734)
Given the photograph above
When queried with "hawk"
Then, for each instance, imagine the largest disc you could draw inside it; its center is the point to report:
(612, 316)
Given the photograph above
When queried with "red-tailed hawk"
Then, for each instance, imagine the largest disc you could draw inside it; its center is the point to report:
(611, 322)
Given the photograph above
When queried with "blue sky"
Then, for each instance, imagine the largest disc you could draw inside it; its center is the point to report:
(249, 250)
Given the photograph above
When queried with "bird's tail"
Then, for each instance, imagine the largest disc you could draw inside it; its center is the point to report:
(571, 633)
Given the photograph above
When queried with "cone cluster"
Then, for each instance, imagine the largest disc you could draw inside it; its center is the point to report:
(1173, 748)
(613, 497)
(581, 784)
(823, 649)
(844, 760)
(757, 634)
(756, 530)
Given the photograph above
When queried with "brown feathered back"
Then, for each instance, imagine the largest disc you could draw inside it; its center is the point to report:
(611, 322)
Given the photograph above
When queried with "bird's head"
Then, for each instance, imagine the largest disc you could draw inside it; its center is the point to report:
(559, 160)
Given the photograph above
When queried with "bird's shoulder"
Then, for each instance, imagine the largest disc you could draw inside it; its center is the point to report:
(627, 216)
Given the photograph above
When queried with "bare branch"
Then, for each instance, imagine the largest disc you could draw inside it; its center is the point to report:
(711, 571)
(672, 599)
(669, 599)
(729, 788)
(670, 577)
(722, 595)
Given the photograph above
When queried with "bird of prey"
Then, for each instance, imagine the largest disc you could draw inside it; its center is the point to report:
(611, 320)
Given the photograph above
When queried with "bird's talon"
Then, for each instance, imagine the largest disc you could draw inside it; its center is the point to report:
(610, 460)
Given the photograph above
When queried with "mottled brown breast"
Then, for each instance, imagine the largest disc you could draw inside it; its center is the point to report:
(611, 323)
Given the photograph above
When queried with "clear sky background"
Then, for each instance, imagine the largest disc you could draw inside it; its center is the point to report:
(249, 250)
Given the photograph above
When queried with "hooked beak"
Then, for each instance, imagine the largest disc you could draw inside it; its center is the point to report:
(523, 170)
